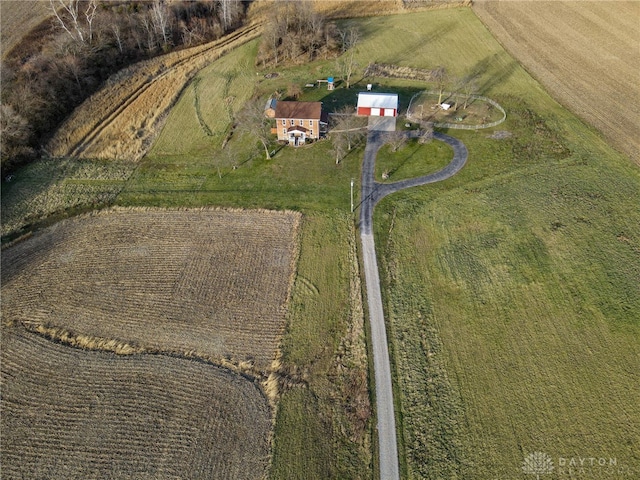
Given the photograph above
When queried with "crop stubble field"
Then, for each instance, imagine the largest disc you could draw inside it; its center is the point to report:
(178, 293)
(211, 282)
(70, 413)
(586, 53)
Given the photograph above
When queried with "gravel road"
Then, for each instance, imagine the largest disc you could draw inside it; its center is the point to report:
(373, 192)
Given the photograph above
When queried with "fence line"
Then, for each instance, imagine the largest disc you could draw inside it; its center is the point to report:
(458, 125)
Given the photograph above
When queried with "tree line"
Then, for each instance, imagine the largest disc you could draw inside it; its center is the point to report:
(85, 41)
(295, 32)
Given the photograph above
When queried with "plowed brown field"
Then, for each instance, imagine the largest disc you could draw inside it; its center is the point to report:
(71, 413)
(587, 55)
(17, 18)
(207, 283)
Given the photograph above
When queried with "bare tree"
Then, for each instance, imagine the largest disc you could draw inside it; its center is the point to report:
(117, 35)
(251, 119)
(439, 76)
(14, 133)
(294, 91)
(225, 158)
(90, 15)
(396, 140)
(469, 87)
(339, 145)
(426, 132)
(72, 24)
(349, 38)
(350, 126)
(229, 11)
(160, 19)
(147, 25)
(346, 64)
(274, 30)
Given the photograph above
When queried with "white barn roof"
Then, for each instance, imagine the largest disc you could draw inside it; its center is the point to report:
(378, 100)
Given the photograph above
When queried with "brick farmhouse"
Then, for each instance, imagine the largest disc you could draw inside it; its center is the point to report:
(297, 122)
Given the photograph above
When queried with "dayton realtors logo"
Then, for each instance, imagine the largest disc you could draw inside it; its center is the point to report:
(537, 463)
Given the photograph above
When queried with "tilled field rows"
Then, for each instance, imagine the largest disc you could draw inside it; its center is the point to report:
(122, 118)
(70, 413)
(585, 53)
(210, 283)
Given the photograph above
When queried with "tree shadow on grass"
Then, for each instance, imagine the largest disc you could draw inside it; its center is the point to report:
(492, 71)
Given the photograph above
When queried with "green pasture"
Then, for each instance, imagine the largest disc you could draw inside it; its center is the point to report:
(49, 189)
(312, 439)
(412, 160)
(514, 308)
(511, 290)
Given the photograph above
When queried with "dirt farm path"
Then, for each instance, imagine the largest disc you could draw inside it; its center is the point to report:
(373, 192)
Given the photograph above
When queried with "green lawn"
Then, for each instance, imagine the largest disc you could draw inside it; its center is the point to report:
(512, 289)
(412, 160)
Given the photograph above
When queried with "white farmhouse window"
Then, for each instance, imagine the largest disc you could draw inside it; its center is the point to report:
(284, 131)
(311, 132)
(293, 122)
(301, 122)
(311, 123)
(284, 122)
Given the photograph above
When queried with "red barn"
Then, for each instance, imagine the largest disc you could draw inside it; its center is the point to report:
(378, 104)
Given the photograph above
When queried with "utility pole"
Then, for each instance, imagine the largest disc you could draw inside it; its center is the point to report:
(352, 195)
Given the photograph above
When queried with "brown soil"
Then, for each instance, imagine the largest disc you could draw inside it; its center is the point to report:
(585, 53)
(69, 413)
(212, 284)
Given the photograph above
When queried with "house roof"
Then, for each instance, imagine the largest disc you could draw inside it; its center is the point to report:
(271, 103)
(378, 100)
(302, 110)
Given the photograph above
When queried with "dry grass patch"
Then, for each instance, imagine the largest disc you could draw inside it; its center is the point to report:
(70, 413)
(122, 119)
(585, 53)
(206, 283)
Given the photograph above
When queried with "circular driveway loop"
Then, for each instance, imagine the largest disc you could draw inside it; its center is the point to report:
(372, 193)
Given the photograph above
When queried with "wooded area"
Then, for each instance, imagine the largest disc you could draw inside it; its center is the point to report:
(69, 56)
(295, 31)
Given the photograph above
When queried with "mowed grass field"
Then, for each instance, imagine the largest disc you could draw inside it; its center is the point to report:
(585, 53)
(71, 413)
(511, 289)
